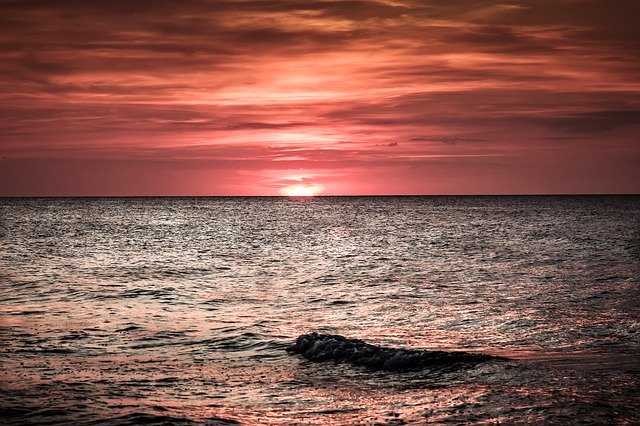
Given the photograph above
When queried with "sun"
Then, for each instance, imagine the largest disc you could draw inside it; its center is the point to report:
(300, 191)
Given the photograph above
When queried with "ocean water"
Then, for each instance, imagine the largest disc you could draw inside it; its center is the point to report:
(179, 310)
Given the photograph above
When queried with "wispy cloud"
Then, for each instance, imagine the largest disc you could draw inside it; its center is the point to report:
(253, 85)
(446, 139)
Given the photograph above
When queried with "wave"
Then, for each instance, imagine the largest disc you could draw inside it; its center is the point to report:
(155, 419)
(331, 347)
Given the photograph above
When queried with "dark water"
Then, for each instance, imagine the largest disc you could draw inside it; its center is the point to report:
(134, 310)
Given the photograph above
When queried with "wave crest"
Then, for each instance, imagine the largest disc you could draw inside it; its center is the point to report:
(333, 347)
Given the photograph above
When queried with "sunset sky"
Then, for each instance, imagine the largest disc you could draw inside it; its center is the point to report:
(250, 97)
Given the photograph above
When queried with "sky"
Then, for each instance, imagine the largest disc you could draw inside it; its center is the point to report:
(327, 97)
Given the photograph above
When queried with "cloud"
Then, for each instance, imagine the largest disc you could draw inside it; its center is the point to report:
(259, 125)
(321, 84)
(446, 139)
(592, 122)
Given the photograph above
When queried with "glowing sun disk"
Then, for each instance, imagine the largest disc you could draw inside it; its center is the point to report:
(299, 191)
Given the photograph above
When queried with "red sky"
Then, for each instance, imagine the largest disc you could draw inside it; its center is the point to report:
(252, 97)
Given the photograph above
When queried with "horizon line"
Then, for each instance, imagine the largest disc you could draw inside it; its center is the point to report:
(332, 195)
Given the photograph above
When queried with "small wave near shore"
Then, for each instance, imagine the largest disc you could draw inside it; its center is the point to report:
(331, 347)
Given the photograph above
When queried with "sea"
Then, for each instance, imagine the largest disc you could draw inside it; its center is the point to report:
(178, 310)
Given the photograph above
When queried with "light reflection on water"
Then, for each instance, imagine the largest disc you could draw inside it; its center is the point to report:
(161, 309)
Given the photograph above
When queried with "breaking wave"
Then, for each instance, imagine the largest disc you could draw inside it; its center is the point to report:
(330, 347)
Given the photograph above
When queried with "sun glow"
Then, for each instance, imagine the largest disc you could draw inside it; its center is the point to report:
(300, 191)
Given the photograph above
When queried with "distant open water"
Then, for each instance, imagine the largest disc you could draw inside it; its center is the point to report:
(168, 310)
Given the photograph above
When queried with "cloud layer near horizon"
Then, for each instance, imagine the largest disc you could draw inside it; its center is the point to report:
(246, 97)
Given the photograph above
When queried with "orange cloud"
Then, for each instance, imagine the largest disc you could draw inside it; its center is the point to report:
(369, 93)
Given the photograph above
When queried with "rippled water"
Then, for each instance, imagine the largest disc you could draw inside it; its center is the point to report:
(131, 310)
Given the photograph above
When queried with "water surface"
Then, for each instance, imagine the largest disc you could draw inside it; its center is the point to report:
(130, 310)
